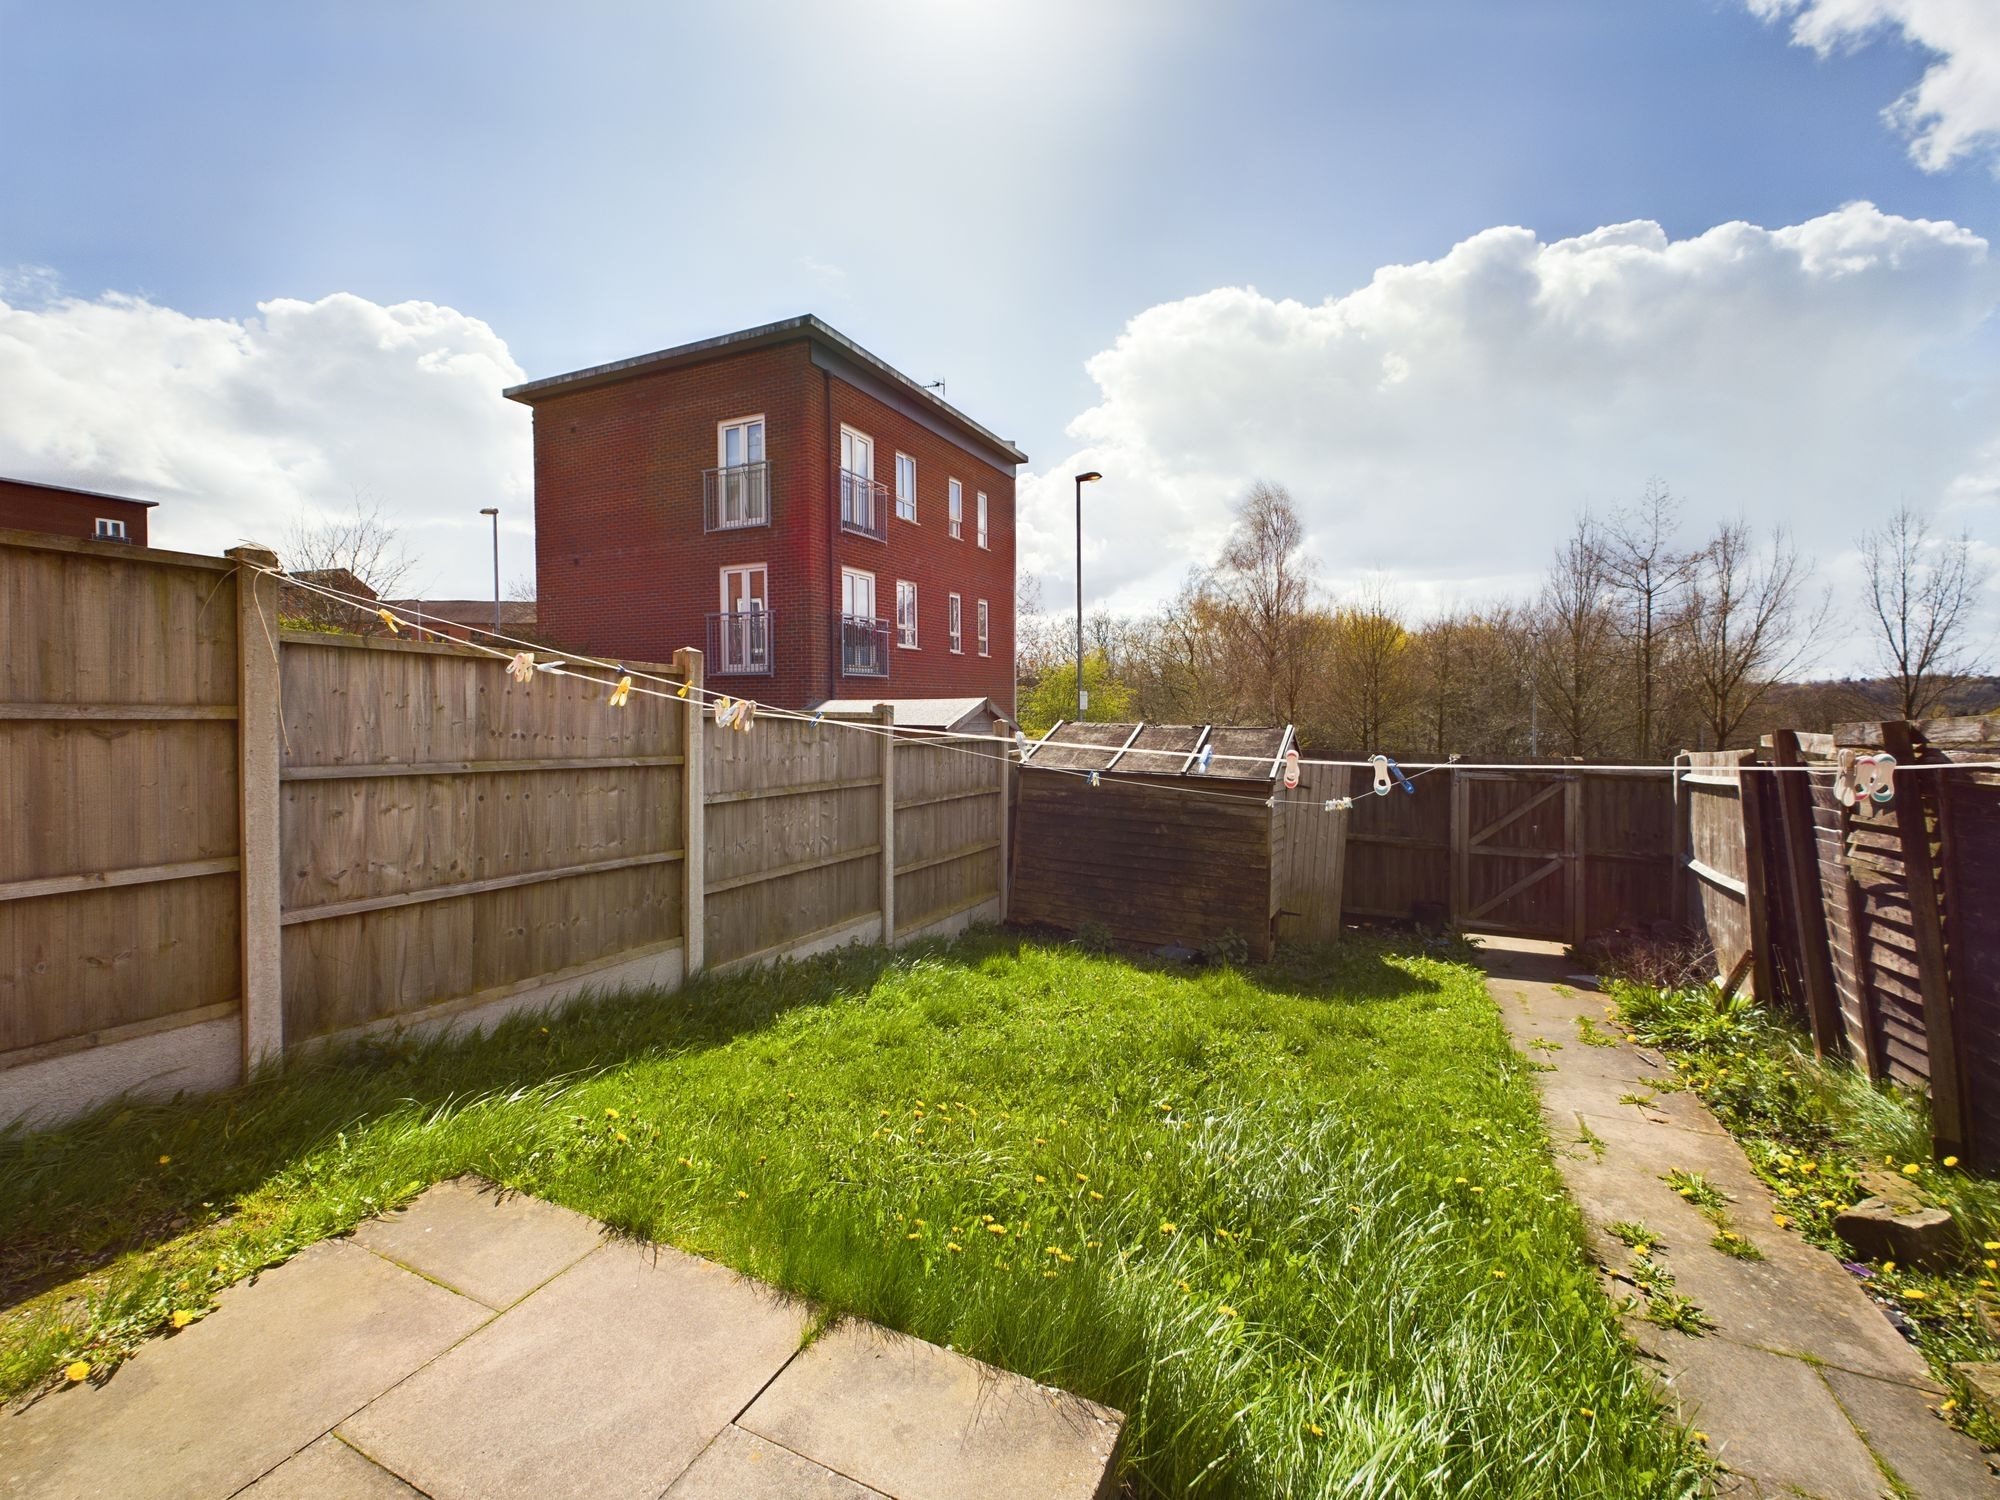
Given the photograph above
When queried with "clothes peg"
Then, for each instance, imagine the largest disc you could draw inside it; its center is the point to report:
(620, 692)
(746, 710)
(1202, 761)
(1844, 788)
(551, 666)
(1402, 780)
(1339, 804)
(1093, 778)
(522, 667)
(1381, 765)
(1874, 778)
(1291, 770)
(722, 704)
(682, 690)
(390, 620)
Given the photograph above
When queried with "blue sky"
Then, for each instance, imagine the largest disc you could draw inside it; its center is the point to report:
(987, 192)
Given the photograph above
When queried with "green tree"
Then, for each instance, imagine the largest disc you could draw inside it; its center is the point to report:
(1053, 697)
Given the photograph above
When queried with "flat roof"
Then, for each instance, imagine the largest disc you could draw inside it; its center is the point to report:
(785, 331)
(70, 489)
(1239, 752)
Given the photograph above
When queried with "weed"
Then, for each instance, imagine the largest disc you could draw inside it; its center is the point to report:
(1590, 1036)
(1633, 1233)
(1732, 1244)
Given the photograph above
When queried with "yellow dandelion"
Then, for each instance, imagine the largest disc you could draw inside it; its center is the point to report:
(1498, 1274)
(165, 1159)
(1092, 1244)
(986, 1218)
(182, 1317)
(1476, 1190)
(1082, 1177)
(1461, 1181)
(619, 1136)
(1050, 1275)
(1587, 1414)
(1914, 1294)
(1951, 1161)
(1168, 1226)
(1053, 1250)
(1040, 1178)
(1888, 1267)
(1184, 1286)
(1950, 1403)
(954, 1247)
(914, 1234)
(996, 1228)
(1315, 1429)
(611, 1114)
(77, 1370)
(1991, 1245)
(1781, 1221)
(920, 1223)
(1225, 1310)
(741, 1194)
(1700, 1437)
(1095, 1196)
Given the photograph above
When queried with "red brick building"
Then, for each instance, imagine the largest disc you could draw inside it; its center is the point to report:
(58, 510)
(814, 520)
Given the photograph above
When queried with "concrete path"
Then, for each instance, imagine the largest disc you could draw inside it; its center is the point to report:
(1803, 1387)
(477, 1346)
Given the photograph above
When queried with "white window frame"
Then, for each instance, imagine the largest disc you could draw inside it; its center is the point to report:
(954, 623)
(906, 620)
(722, 439)
(955, 506)
(906, 503)
(873, 597)
(110, 529)
(728, 603)
(983, 540)
(984, 616)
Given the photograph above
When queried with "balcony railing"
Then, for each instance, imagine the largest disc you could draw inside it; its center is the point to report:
(736, 497)
(864, 645)
(739, 643)
(864, 505)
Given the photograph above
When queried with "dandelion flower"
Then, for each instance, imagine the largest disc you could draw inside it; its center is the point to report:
(182, 1317)
(914, 1234)
(1315, 1429)
(1040, 1178)
(954, 1247)
(1915, 1294)
(1700, 1437)
(165, 1159)
(1081, 1177)
(1096, 1197)
(1050, 1275)
(619, 1136)
(1184, 1286)
(741, 1194)
(1092, 1244)
(1587, 1414)
(1168, 1226)
(77, 1370)
(1460, 1181)
(996, 1228)
(1950, 1403)
(610, 1114)
(1951, 1161)
(1498, 1274)
(1225, 1310)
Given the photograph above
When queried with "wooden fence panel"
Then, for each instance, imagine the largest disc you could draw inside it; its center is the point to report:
(1399, 850)
(949, 856)
(1971, 817)
(794, 835)
(1312, 855)
(450, 835)
(119, 893)
(1628, 864)
(1718, 859)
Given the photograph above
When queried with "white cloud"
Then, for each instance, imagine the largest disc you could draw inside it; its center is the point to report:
(237, 427)
(1954, 109)
(1446, 422)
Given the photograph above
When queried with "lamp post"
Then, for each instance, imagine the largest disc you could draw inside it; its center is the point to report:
(1081, 480)
(494, 512)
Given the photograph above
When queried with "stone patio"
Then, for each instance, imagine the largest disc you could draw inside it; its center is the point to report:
(1803, 1387)
(479, 1345)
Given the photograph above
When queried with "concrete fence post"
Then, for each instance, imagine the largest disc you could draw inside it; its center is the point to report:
(259, 730)
(694, 816)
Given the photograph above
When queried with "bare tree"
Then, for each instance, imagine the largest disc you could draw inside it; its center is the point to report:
(1647, 577)
(1268, 588)
(1749, 622)
(1922, 593)
(340, 552)
(1572, 662)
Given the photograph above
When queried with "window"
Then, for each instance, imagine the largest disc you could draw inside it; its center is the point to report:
(857, 594)
(952, 625)
(863, 502)
(906, 614)
(983, 641)
(743, 627)
(982, 518)
(955, 507)
(737, 492)
(906, 487)
(109, 530)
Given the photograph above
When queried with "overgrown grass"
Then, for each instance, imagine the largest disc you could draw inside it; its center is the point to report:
(1301, 1223)
(1810, 1130)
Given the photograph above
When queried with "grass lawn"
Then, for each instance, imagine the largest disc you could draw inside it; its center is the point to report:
(1300, 1222)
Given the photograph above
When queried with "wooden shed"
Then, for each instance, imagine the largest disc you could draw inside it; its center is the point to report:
(1167, 847)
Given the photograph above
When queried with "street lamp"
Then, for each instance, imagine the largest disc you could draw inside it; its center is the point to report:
(1081, 480)
(494, 512)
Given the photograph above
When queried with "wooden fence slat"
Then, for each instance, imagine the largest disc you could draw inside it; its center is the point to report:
(1801, 862)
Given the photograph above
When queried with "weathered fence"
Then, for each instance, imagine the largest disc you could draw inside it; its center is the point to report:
(224, 842)
(1871, 923)
(1558, 852)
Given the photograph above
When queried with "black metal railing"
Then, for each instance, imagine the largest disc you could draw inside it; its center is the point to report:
(736, 497)
(864, 505)
(739, 643)
(864, 645)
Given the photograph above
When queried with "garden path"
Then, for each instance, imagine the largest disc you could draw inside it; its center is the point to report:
(476, 1346)
(1802, 1386)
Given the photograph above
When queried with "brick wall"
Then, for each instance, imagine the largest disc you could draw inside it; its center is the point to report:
(25, 506)
(624, 567)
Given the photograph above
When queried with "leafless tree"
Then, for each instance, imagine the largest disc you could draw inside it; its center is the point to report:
(1922, 593)
(356, 547)
(1267, 587)
(1749, 621)
(1572, 663)
(1647, 577)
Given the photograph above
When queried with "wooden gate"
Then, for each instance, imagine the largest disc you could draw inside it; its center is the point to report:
(1515, 836)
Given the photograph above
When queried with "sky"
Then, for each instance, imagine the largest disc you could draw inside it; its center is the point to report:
(1451, 271)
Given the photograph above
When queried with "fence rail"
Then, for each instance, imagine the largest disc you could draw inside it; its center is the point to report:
(228, 842)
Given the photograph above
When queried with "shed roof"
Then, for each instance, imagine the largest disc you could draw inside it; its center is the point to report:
(916, 713)
(1164, 750)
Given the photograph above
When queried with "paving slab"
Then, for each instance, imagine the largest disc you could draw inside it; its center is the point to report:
(605, 1383)
(328, 1470)
(1771, 1418)
(922, 1423)
(478, 1239)
(1804, 1382)
(739, 1465)
(1903, 1427)
(278, 1362)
